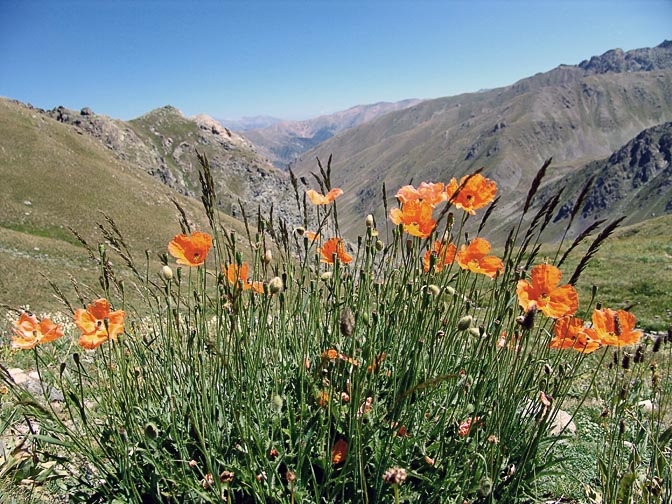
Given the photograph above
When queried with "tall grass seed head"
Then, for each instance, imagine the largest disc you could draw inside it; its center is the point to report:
(347, 322)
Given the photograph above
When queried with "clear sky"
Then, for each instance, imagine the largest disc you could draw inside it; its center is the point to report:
(296, 59)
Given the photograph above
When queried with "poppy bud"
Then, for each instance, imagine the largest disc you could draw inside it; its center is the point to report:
(465, 323)
(326, 276)
(167, 273)
(434, 289)
(379, 245)
(275, 285)
(268, 256)
(277, 403)
(369, 221)
(474, 331)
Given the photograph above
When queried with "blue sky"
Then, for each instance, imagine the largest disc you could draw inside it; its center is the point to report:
(298, 58)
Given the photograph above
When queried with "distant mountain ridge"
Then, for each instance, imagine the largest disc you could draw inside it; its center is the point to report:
(248, 123)
(284, 141)
(574, 114)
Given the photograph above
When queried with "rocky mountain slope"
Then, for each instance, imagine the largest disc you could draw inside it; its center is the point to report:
(284, 141)
(635, 181)
(164, 144)
(575, 114)
(57, 176)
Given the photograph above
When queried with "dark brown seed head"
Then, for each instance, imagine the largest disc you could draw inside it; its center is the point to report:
(347, 322)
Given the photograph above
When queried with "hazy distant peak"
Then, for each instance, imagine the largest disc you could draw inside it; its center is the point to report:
(247, 123)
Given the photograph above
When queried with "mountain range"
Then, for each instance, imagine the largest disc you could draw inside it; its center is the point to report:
(574, 114)
(607, 119)
(282, 142)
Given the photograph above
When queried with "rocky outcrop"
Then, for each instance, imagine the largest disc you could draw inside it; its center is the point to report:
(164, 144)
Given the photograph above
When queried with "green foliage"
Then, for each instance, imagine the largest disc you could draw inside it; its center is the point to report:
(315, 391)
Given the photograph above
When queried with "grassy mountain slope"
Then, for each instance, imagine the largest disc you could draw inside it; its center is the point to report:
(574, 114)
(54, 177)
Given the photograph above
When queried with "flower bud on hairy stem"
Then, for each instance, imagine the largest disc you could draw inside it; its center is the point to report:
(275, 285)
(167, 273)
(268, 257)
(379, 245)
(369, 221)
(465, 323)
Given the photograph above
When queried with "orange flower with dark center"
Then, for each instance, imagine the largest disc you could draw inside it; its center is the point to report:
(428, 192)
(29, 331)
(190, 250)
(98, 324)
(334, 248)
(323, 199)
(237, 276)
(614, 328)
(476, 193)
(569, 332)
(474, 257)
(416, 217)
(543, 292)
(339, 452)
(444, 253)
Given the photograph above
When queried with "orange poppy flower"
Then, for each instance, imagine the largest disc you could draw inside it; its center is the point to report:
(312, 236)
(237, 275)
(29, 332)
(544, 293)
(98, 324)
(334, 247)
(476, 193)
(445, 254)
(190, 250)
(339, 452)
(323, 199)
(428, 192)
(569, 332)
(615, 328)
(416, 217)
(474, 257)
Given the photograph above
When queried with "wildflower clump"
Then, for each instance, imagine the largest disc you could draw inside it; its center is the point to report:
(427, 366)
